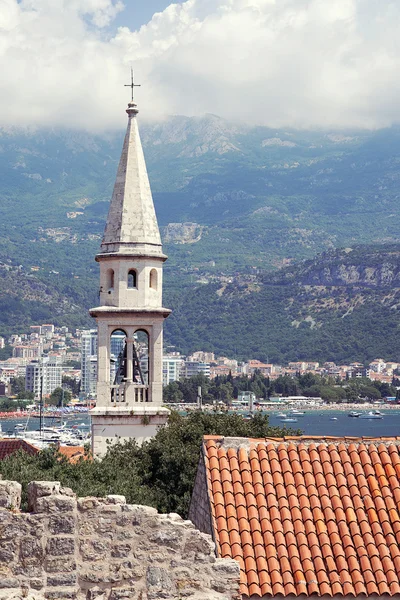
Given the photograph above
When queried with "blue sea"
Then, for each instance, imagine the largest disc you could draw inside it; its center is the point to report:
(77, 421)
(314, 422)
(319, 423)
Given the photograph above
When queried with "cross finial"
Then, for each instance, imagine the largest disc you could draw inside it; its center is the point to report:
(132, 85)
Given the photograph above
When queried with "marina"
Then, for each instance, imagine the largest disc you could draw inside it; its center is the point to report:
(71, 430)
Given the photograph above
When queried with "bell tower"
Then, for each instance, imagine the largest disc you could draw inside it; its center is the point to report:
(131, 315)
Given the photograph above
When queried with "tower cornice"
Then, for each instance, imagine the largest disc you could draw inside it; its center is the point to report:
(103, 256)
(113, 311)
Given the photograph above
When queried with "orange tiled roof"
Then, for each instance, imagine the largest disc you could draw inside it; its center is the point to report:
(72, 453)
(9, 446)
(308, 516)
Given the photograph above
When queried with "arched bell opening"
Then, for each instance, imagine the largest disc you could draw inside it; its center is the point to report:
(118, 357)
(110, 279)
(153, 282)
(141, 357)
(132, 279)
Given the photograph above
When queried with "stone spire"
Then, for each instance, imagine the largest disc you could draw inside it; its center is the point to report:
(132, 223)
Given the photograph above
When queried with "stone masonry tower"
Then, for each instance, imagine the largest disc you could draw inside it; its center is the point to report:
(129, 381)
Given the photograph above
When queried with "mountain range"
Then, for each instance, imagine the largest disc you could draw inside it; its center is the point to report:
(243, 210)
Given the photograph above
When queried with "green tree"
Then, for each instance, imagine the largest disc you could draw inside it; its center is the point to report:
(72, 384)
(59, 396)
(160, 473)
(172, 392)
(168, 462)
(17, 385)
(25, 396)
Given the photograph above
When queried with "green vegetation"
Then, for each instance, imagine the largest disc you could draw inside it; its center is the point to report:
(161, 473)
(59, 396)
(274, 198)
(18, 389)
(226, 388)
(9, 405)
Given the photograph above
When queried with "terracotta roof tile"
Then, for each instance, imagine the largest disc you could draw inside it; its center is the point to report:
(308, 516)
(8, 446)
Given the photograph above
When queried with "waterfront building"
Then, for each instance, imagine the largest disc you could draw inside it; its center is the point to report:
(89, 362)
(195, 367)
(172, 367)
(44, 375)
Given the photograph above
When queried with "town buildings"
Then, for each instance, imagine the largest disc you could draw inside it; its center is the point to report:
(76, 351)
(89, 362)
(43, 376)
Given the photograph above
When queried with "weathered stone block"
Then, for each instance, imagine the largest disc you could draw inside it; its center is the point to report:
(105, 525)
(171, 537)
(37, 583)
(115, 499)
(61, 524)
(8, 551)
(94, 549)
(120, 550)
(59, 565)
(157, 577)
(38, 489)
(12, 530)
(139, 513)
(126, 593)
(128, 570)
(61, 580)
(97, 594)
(197, 542)
(27, 569)
(61, 594)
(87, 503)
(9, 582)
(10, 494)
(55, 504)
(60, 546)
(31, 548)
(225, 565)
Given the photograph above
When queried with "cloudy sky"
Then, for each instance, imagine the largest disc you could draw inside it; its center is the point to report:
(299, 63)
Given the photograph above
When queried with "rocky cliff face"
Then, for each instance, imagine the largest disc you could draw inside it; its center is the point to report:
(387, 274)
(373, 267)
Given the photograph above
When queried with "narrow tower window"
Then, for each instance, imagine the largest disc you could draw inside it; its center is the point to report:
(153, 279)
(132, 279)
(110, 279)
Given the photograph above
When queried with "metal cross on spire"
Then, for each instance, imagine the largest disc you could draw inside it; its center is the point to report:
(132, 85)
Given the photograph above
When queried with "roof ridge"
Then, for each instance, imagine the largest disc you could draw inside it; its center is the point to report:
(226, 440)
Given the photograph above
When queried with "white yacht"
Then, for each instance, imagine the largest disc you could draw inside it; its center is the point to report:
(372, 414)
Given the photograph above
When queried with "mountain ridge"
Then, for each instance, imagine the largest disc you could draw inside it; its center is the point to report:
(235, 204)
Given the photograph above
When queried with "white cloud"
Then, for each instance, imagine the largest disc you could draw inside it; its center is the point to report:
(300, 63)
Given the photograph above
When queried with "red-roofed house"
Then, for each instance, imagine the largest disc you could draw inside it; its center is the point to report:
(304, 515)
(9, 446)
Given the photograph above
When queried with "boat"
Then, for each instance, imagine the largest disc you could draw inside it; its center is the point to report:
(353, 413)
(289, 420)
(370, 415)
(296, 413)
(333, 419)
(281, 415)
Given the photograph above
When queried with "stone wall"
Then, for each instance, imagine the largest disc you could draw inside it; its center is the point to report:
(103, 549)
(200, 510)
